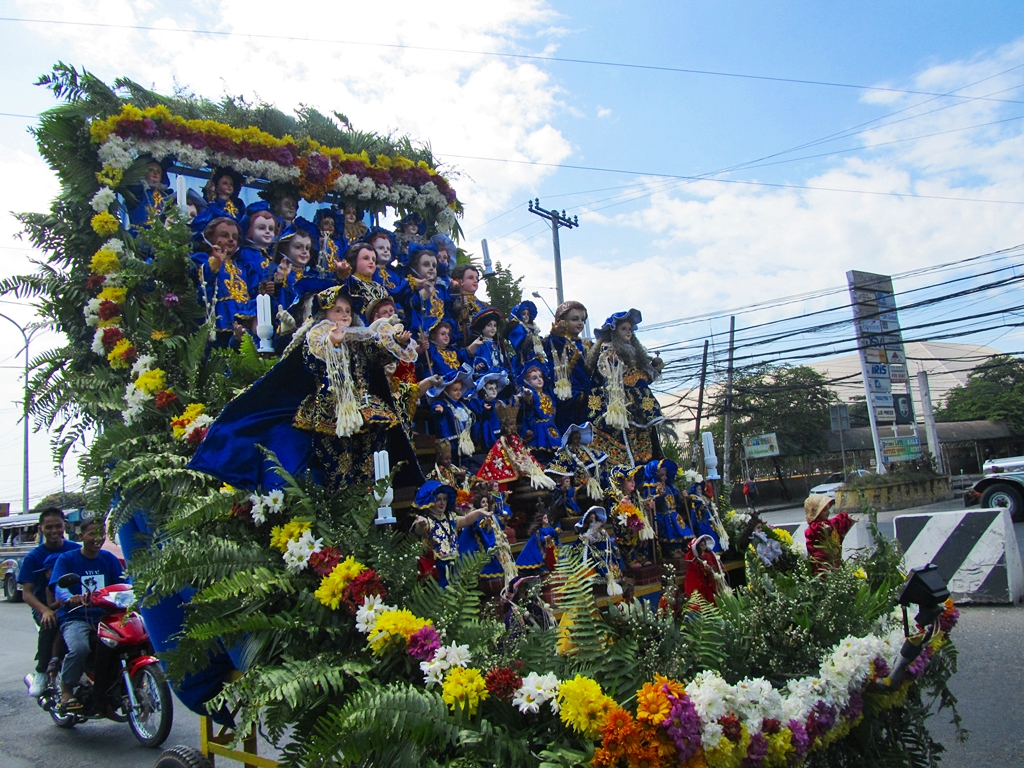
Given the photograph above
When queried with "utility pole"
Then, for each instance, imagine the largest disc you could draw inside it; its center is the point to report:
(700, 407)
(727, 448)
(27, 336)
(557, 220)
(930, 430)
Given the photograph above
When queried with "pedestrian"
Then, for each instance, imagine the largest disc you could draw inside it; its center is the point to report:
(750, 493)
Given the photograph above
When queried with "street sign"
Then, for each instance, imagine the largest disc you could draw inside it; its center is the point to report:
(761, 446)
(871, 325)
(885, 415)
(875, 356)
(901, 449)
(904, 408)
(839, 414)
(898, 374)
(897, 357)
(878, 370)
(880, 398)
(880, 385)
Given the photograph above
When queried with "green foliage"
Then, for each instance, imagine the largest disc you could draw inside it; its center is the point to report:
(994, 390)
(503, 290)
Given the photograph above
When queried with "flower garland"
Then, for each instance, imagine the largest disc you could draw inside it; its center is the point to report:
(314, 168)
(707, 722)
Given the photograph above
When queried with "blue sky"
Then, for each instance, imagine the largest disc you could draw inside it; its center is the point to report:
(672, 249)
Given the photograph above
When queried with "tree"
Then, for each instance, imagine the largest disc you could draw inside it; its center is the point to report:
(994, 391)
(791, 401)
(62, 500)
(503, 290)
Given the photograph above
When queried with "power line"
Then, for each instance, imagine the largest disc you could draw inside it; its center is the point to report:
(496, 54)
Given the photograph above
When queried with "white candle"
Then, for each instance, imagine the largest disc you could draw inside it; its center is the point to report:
(181, 193)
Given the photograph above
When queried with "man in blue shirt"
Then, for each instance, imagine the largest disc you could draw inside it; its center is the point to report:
(78, 620)
(33, 579)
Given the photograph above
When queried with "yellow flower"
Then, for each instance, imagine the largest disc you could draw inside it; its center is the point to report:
(333, 584)
(109, 323)
(159, 335)
(391, 625)
(105, 224)
(110, 177)
(402, 162)
(463, 688)
(860, 573)
(780, 745)
(281, 535)
(227, 488)
(782, 536)
(727, 753)
(180, 424)
(583, 706)
(116, 356)
(652, 704)
(104, 262)
(114, 294)
(383, 161)
(99, 130)
(151, 382)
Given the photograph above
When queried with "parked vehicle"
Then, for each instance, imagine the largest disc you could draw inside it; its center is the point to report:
(17, 538)
(999, 488)
(1008, 464)
(138, 694)
(837, 481)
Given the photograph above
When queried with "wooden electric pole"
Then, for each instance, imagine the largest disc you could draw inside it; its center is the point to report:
(557, 220)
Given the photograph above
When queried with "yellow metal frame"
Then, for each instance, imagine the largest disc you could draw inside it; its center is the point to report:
(216, 740)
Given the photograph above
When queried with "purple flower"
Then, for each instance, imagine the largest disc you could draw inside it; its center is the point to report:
(853, 709)
(282, 155)
(422, 645)
(948, 620)
(824, 716)
(800, 740)
(918, 665)
(756, 752)
(318, 167)
(683, 727)
(149, 127)
(881, 668)
(170, 300)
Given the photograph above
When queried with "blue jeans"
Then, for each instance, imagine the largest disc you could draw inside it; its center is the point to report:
(76, 636)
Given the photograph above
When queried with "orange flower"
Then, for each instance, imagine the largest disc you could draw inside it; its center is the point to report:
(652, 704)
(674, 686)
(618, 727)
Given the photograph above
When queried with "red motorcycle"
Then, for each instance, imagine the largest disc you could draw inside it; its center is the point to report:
(137, 692)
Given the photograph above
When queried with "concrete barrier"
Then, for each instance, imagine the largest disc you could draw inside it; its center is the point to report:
(975, 551)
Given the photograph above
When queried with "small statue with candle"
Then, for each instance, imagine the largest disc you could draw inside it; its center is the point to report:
(227, 283)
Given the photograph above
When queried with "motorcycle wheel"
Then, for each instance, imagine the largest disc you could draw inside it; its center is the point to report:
(182, 757)
(151, 722)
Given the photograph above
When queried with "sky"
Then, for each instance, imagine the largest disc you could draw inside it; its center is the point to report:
(893, 177)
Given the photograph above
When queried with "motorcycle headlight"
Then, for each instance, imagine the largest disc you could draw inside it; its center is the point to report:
(109, 642)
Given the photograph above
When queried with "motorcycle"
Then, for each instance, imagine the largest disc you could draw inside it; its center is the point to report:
(138, 694)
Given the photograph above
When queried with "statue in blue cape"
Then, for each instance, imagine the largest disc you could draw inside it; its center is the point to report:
(704, 515)
(566, 354)
(484, 405)
(540, 553)
(326, 407)
(441, 357)
(383, 244)
(539, 430)
(635, 535)
(623, 408)
(600, 550)
(226, 183)
(578, 459)
(259, 251)
(488, 533)
(670, 506)
(151, 195)
(446, 256)
(452, 418)
(408, 231)
(331, 243)
(523, 334)
(485, 349)
(439, 523)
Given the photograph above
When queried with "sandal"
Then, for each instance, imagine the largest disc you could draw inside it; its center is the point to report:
(71, 705)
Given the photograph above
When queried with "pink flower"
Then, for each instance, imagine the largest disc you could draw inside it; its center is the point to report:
(170, 300)
(421, 646)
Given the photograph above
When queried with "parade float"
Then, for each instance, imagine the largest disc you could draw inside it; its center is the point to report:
(293, 612)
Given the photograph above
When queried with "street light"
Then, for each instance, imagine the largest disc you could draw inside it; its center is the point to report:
(27, 336)
(536, 295)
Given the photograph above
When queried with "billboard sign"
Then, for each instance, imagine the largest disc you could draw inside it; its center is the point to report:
(904, 408)
(901, 449)
(885, 415)
(761, 446)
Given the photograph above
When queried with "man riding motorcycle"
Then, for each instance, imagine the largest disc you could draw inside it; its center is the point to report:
(97, 569)
(33, 579)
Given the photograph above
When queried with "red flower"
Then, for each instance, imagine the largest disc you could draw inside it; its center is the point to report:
(95, 281)
(243, 511)
(109, 309)
(731, 728)
(771, 725)
(196, 436)
(365, 584)
(165, 398)
(323, 562)
(503, 682)
(110, 337)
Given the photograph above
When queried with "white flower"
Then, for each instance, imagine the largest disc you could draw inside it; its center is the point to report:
(535, 690)
(274, 500)
(710, 695)
(113, 244)
(259, 514)
(457, 655)
(117, 153)
(202, 420)
(710, 735)
(433, 670)
(102, 200)
(296, 557)
(97, 343)
(142, 364)
(366, 617)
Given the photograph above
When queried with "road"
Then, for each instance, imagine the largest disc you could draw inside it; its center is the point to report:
(989, 685)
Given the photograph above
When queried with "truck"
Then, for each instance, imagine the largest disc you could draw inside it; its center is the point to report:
(18, 537)
(1001, 487)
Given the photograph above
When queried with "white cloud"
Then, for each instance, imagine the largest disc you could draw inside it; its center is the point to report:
(603, 111)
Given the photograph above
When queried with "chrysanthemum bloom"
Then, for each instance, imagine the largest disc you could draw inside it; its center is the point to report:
(583, 706)
(503, 682)
(464, 688)
(391, 625)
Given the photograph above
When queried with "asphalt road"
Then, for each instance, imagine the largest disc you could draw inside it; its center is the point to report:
(989, 685)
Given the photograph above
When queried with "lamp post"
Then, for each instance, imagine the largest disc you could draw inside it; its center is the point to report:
(536, 295)
(27, 336)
